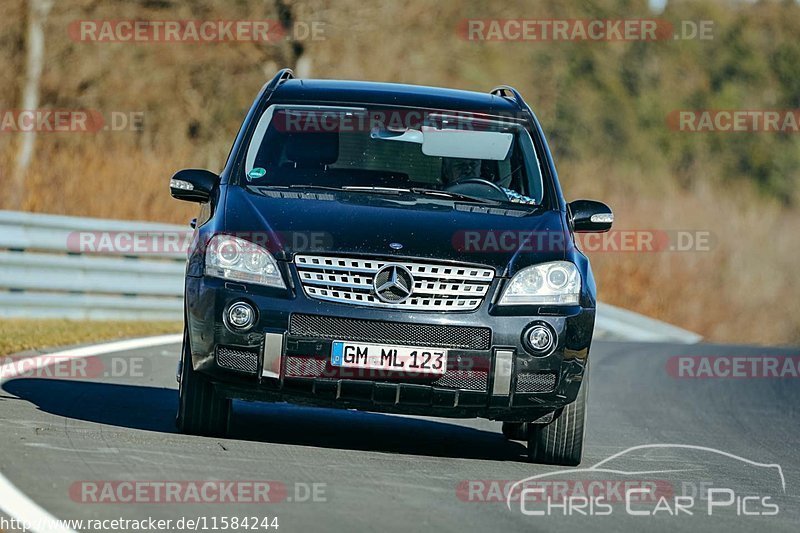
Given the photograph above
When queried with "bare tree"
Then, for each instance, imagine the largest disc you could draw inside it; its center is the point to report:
(37, 15)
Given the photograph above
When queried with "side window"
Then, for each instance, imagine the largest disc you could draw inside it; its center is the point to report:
(505, 173)
(534, 187)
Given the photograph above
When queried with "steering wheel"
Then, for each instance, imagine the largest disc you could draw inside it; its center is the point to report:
(478, 187)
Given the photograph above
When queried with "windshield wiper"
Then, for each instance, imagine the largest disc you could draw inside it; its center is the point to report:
(349, 188)
(322, 187)
(368, 188)
(453, 195)
(394, 191)
(421, 191)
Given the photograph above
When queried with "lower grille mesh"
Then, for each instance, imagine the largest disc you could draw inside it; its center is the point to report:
(464, 379)
(347, 329)
(309, 367)
(536, 382)
(239, 359)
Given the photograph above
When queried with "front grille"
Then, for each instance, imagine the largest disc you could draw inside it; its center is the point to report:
(536, 382)
(435, 287)
(464, 379)
(239, 359)
(380, 332)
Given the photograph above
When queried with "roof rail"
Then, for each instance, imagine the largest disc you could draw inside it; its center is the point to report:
(282, 75)
(506, 90)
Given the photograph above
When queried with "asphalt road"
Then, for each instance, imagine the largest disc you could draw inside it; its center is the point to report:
(390, 473)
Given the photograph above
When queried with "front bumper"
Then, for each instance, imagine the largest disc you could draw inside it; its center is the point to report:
(489, 376)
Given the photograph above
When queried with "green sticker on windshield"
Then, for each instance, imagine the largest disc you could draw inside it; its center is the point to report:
(257, 173)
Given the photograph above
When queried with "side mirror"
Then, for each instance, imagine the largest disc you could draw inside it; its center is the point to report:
(590, 216)
(193, 185)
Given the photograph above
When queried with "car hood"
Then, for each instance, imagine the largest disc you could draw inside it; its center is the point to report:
(405, 226)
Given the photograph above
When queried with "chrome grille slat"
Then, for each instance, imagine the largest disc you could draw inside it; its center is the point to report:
(324, 267)
(342, 284)
(450, 273)
(436, 286)
(448, 288)
(419, 271)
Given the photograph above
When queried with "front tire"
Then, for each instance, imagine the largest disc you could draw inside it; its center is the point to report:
(201, 409)
(515, 430)
(561, 441)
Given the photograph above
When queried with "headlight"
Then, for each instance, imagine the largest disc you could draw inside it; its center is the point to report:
(557, 283)
(229, 257)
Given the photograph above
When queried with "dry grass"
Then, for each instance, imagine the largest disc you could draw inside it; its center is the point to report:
(134, 186)
(745, 279)
(21, 335)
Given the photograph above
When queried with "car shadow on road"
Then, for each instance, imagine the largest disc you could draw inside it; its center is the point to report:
(153, 409)
(129, 406)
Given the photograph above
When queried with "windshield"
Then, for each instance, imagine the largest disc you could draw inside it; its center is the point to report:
(357, 148)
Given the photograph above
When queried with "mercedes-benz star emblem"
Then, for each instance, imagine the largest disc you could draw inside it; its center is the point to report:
(393, 284)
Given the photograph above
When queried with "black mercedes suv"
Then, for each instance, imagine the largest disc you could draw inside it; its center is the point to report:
(390, 248)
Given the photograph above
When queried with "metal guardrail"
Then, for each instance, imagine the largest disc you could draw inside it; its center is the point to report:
(615, 323)
(47, 271)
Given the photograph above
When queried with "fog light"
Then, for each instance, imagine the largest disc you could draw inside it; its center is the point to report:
(540, 340)
(240, 316)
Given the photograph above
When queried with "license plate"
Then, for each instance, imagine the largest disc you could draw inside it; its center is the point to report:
(411, 359)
